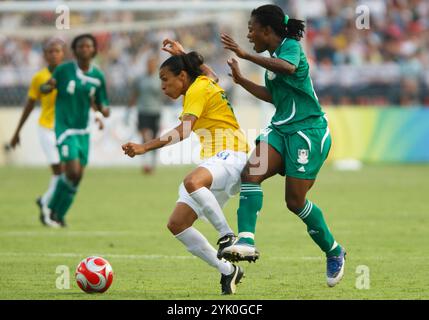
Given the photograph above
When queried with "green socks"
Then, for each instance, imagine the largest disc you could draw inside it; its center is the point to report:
(312, 216)
(63, 196)
(250, 203)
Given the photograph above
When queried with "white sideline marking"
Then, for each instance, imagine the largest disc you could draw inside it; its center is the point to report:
(160, 256)
(128, 256)
(80, 255)
(53, 233)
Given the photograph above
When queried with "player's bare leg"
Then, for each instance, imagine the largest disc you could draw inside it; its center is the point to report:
(149, 159)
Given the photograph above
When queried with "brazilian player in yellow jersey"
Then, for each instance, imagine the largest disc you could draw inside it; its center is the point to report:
(205, 190)
(53, 54)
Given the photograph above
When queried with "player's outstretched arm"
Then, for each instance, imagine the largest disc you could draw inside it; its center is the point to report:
(258, 91)
(181, 132)
(29, 106)
(175, 48)
(273, 64)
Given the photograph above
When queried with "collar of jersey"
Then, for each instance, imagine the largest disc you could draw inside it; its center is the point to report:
(280, 45)
(91, 66)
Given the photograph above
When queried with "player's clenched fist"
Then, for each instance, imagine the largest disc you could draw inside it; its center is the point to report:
(133, 149)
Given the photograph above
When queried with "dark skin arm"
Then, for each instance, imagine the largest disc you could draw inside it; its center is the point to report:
(47, 87)
(175, 48)
(29, 106)
(181, 132)
(260, 92)
(273, 64)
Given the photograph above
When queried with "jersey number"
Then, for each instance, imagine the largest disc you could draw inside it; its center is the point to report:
(71, 87)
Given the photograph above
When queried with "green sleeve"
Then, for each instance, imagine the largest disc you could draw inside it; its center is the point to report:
(291, 52)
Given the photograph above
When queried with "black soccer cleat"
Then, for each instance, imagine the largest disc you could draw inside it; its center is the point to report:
(40, 205)
(60, 222)
(229, 282)
(225, 241)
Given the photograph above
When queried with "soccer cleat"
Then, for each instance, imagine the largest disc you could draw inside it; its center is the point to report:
(229, 282)
(240, 252)
(45, 215)
(40, 205)
(335, 268)
(58, 221)
(225, 241)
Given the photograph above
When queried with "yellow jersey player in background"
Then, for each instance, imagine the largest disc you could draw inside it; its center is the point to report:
(205, 190)
(53, 54)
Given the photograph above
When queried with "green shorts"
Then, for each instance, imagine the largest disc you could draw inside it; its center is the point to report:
(303, 152)
(75, 147)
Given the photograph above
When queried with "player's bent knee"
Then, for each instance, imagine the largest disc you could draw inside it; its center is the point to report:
(294, 205)
(246, 177)
(74, 177)
(175, 226)
(192, 183)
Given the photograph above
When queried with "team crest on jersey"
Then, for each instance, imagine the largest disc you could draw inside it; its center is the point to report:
(303, 156)
(271, 75)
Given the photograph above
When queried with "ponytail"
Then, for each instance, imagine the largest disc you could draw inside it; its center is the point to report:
(190, 63)
(295, 29)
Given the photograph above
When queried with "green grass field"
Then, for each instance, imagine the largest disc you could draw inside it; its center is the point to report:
(380, 214)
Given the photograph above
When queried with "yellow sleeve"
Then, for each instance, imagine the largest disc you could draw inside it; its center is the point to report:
(34, 90)
(195, 100)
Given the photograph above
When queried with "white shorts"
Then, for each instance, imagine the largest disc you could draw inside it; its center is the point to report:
(48, 142)
(225, 167)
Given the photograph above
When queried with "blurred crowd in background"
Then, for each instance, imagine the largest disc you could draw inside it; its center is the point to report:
(388, 64)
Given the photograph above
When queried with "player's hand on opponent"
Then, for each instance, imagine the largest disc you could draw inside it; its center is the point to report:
(47, 87)
(230, 44)
(235, 70)
(133, 149)
(173, 47)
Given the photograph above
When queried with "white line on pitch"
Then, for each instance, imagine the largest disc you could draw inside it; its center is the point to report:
(55, 233)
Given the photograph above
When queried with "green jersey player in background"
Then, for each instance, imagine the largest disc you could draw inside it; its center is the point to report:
(295, 144)
(80, 86)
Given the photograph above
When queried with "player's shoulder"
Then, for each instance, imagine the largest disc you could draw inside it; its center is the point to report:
(97, 72)
(290, 42)
(205, 84)
(42, 75)
(64, 67)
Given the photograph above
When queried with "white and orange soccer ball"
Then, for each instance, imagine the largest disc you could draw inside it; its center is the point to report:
(94, 274)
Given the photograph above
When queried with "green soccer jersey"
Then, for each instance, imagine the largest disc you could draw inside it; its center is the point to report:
(76, 91)
(296, 103)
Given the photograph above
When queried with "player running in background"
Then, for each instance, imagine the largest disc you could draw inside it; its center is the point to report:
(205, 190)
(53, 51)
(80, 85)
(149, 100)
(297, 141)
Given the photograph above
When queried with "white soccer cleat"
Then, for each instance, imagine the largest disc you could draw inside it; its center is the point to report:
(240, 251)
(45, 217)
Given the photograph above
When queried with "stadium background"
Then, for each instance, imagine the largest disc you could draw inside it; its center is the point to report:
(373, 84)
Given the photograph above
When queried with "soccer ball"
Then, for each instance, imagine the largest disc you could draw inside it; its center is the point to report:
(94, 274)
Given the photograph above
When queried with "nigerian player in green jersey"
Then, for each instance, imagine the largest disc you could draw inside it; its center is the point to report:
(80, 86)
(295, 144)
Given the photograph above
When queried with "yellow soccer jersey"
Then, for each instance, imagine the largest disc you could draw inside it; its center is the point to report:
(47, 101)
(216, 125)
